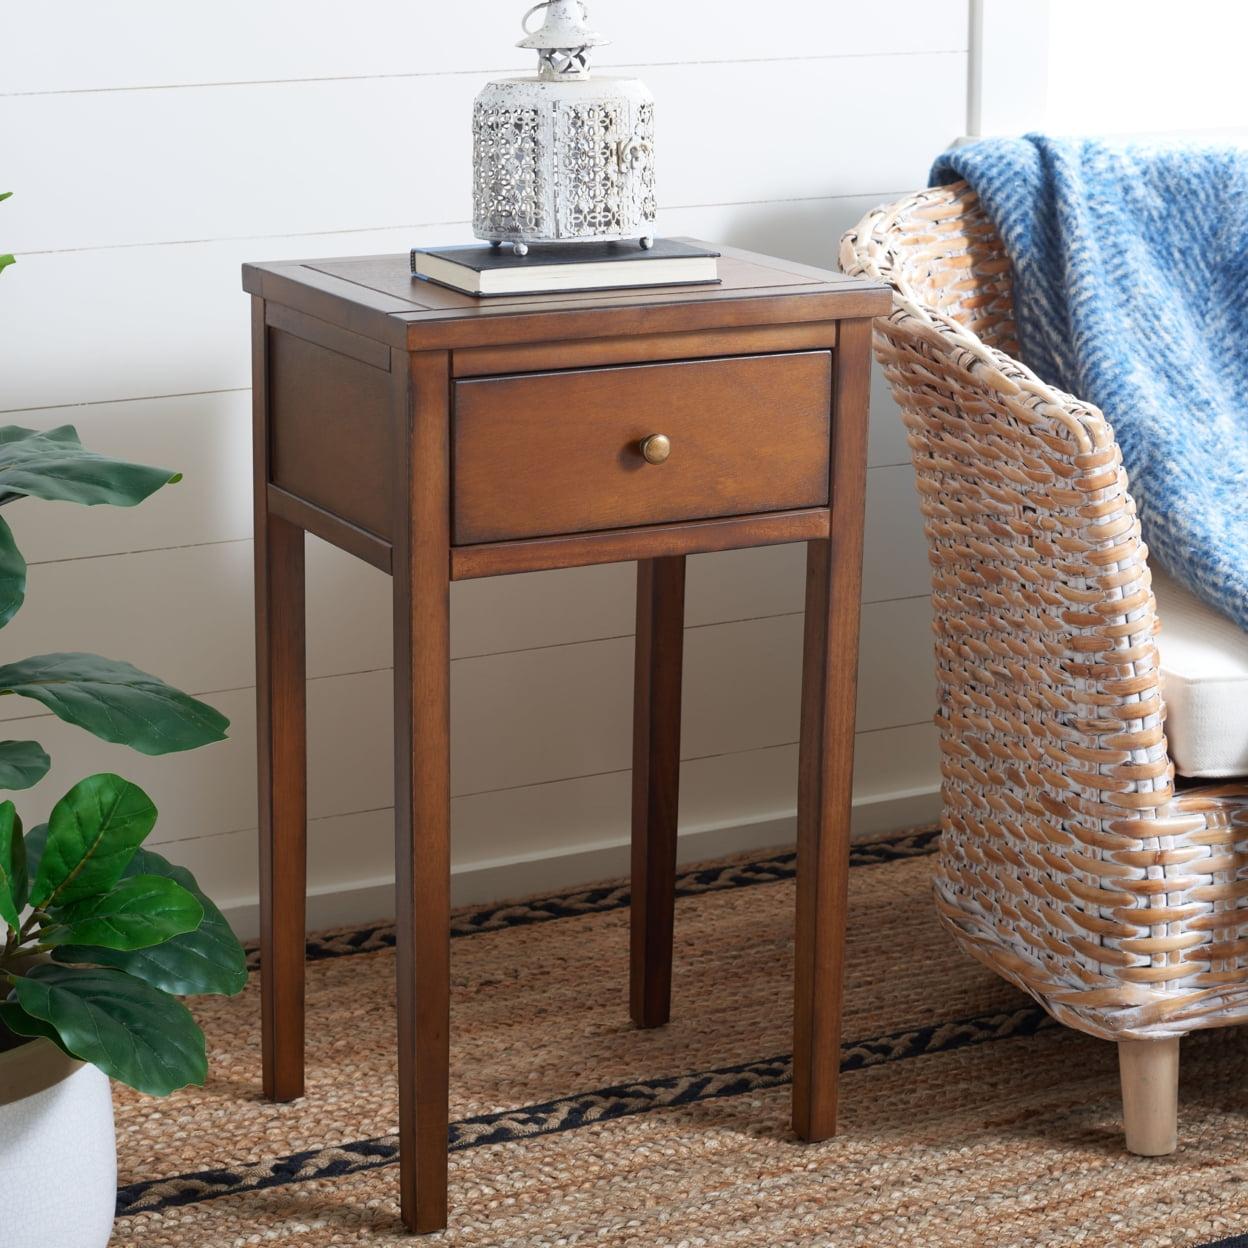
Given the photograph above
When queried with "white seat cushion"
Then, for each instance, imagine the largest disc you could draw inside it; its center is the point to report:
(1204, 671)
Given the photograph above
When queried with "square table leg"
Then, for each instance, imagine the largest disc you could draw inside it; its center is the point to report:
(656, 784)
(421, 573)
(281, 736)
(822, 869)
(826, 751)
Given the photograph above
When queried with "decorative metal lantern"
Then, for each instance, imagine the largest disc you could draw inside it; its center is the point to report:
(563, 157)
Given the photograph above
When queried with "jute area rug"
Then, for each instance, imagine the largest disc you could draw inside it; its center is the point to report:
(967, 1118)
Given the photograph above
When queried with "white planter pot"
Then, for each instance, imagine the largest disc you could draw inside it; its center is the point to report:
(58, 1153)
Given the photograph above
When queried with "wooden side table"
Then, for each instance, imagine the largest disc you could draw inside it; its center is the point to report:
(441, 437)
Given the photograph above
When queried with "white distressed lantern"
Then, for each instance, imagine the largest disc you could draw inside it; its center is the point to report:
(563, 157)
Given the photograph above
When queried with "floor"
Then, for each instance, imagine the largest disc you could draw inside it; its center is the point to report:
(968, 1117)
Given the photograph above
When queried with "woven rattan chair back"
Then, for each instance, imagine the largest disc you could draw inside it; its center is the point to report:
(1067, 862)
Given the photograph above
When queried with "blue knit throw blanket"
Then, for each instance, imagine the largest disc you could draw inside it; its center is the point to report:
(1131, 292)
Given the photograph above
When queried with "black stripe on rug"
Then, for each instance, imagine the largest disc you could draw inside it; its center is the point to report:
(607, 897)
(572, 1112)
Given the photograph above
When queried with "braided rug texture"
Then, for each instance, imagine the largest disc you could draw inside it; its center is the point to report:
(1131, 291)
(968, 1117)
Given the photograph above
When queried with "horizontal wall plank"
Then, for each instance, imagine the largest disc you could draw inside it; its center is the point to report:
(302, 158)
(144, 606)
(518, 719)
(148, 321)
(552, 714)
(727, 803)
(893, 762)
(895, 550)
(213, 504)
(114, 309)
(153, 43)
(887, 435)
(127, 347)
(198, 793)
(206, 437)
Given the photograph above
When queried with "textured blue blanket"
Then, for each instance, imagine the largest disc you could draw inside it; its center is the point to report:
(1131, 292)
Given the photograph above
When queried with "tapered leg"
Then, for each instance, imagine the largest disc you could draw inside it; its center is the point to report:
(825, 764)
(282, 771)
(282, 735)
(826, 751)
(656, 784)
(1149, 1070)
(422, 798)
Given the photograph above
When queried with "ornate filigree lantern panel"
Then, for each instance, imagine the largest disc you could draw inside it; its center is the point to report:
(563, 156)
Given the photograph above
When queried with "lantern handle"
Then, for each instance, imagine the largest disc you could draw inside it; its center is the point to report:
(524, 21)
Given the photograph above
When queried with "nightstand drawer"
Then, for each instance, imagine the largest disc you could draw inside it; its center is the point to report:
(549, 453)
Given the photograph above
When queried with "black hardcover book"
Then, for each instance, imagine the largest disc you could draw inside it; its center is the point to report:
(479, 269)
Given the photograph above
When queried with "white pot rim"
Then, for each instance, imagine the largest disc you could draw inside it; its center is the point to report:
(33, 1067)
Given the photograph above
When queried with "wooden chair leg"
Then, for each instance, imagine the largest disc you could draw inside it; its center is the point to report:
(1149, 1070)
(656, 784)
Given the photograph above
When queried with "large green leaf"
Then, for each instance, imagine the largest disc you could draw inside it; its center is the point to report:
(53, 464)
(92, 834)
(62, 433)
(22, 763)
(12, 575)
(134, 914)
(115, 701)
(12, 866)
(36, 838)
(132, 1032)
(16, 1020)
(207, 960)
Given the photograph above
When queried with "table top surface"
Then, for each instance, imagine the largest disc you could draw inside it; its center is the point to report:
(425, 314)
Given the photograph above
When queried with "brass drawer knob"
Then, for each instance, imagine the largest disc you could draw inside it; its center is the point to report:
(656, 448)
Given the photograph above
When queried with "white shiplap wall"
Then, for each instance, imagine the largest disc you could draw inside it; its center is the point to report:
(154, 147)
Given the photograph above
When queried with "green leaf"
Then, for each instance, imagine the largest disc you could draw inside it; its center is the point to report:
(4, 195)
(12, 866)
(207, 960)
(115, 701)
(54, 464)
(92, 834)
(15, 1019)
(12, 574)
(36, 839)
(22, 763)
(6, 260)
(133, 1033)
(136, 913)
(62, 433)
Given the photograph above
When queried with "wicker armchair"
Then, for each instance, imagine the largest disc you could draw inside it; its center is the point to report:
(1069, 864)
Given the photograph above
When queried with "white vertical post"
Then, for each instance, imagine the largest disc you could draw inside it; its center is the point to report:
(1008, 66)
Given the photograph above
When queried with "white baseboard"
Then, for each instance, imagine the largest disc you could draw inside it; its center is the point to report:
(523, 874)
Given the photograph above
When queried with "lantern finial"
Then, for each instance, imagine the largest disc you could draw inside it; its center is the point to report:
(563, 42)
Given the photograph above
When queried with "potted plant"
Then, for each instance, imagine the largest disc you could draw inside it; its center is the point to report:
(98, 936)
